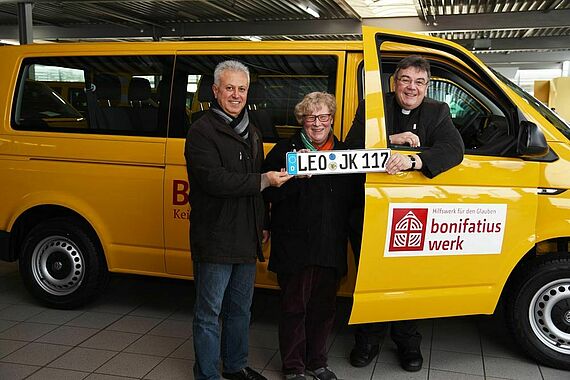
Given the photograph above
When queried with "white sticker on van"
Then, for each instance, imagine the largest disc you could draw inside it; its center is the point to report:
(442, 229)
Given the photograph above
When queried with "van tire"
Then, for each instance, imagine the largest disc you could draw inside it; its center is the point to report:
(61, 263)
(538, 310)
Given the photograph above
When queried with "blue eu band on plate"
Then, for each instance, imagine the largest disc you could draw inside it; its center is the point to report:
(337, 161)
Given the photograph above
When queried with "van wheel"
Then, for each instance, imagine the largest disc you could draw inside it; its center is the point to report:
(538, 310)
(61, 264)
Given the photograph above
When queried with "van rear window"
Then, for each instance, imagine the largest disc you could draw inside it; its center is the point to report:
(116, 95)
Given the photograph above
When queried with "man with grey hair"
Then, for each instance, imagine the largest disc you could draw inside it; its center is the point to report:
(224, 153)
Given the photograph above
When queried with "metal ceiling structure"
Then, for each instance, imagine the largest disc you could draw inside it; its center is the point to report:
(529, 33)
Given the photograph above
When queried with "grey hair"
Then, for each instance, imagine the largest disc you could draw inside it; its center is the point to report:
(314, 101)
(229, 65)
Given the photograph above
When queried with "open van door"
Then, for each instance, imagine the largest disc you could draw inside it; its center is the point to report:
(443, 246)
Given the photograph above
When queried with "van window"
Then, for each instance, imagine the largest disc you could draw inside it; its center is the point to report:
(479, 116)
(41, 102)
(462, 105)
(101, 95)
(278, 83)
(483, 126)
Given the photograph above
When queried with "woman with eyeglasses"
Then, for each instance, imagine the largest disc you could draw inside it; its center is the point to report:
(309, 235)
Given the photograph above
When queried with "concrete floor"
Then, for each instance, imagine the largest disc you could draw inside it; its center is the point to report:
(141, 328)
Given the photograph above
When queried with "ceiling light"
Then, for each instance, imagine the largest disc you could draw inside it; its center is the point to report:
(186, 15)
(9, 42)
(384, 8)
(312, 12)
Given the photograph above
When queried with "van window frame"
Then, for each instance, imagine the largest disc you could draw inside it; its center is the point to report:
(512, 115)
(465, 80)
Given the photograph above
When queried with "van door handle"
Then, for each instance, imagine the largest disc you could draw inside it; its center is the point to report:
(549, 191)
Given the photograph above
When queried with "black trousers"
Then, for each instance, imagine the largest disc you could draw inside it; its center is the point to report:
(404, 333)
(308, 305)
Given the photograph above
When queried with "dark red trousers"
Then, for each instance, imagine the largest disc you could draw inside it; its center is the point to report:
(308, 304)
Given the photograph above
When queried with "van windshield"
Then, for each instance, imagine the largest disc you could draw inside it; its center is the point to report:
(560, 124)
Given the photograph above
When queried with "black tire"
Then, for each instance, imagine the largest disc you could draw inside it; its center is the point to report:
(61, 263)
(538, 310)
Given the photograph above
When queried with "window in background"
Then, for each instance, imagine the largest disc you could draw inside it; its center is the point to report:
(526, 78)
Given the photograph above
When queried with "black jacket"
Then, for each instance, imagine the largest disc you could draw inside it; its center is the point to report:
(433, 125)
(309, 216)
(226, 206)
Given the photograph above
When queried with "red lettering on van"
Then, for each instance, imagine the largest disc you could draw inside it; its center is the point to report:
(180, 192)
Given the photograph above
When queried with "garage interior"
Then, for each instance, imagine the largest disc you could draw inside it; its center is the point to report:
(141, 327)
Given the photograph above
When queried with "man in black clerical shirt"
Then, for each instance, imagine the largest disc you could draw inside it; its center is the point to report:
(416, 121)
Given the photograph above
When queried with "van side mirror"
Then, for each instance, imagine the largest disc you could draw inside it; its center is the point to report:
(531, 140)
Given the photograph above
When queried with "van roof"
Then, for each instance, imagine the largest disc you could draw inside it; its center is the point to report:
(202, 46)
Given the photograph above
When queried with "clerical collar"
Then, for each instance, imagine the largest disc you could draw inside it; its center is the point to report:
(406, 112)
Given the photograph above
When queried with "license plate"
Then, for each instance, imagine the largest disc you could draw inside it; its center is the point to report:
(337, 161)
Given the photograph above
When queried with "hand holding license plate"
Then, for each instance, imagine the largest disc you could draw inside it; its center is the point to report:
(337, 161)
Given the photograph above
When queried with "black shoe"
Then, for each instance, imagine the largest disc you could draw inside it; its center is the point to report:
(323, 373)
(411, 360)
(295, 377)
(362, 355)
(244, 374)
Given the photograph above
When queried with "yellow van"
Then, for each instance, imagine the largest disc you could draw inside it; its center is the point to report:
(95, 182)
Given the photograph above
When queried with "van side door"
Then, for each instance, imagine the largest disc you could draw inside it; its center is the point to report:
(279, 80)
(443, 246)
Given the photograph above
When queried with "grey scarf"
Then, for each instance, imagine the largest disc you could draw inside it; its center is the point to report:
(239, 123)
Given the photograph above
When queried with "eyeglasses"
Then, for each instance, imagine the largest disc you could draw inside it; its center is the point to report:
(323, 118)
(406, 81)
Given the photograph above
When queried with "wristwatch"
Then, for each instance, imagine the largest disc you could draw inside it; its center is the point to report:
(413, 159)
